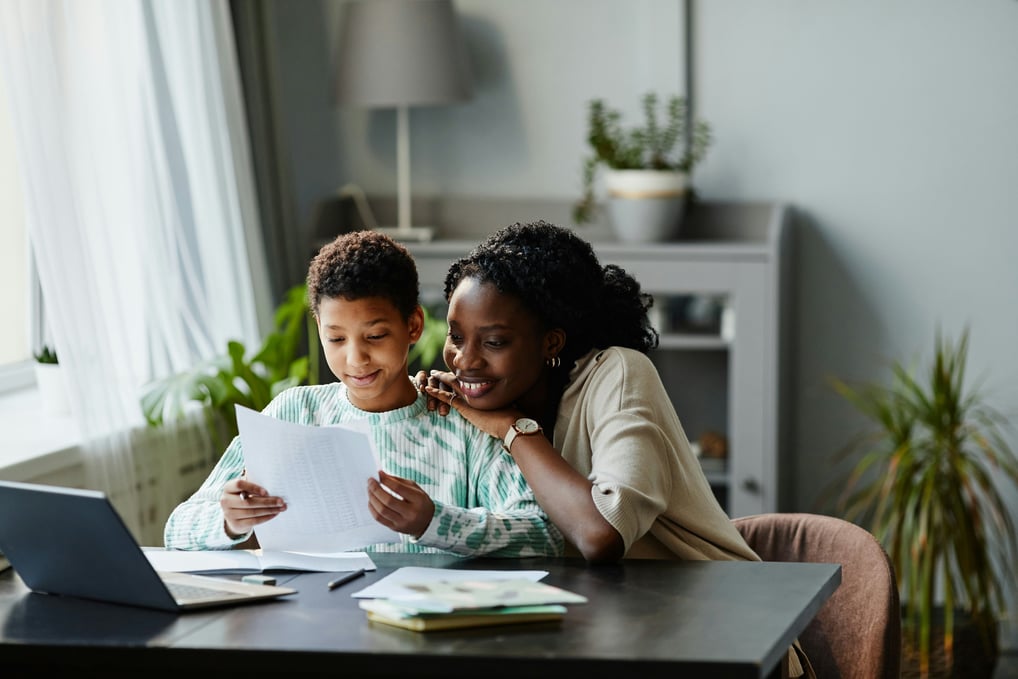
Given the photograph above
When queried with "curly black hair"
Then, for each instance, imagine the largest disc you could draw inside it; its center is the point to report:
(557, 276)
(364, 264)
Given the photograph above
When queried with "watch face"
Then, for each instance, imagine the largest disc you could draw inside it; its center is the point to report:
(525, 425)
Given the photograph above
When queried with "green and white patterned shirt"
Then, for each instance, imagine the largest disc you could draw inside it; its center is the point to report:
(483, 505)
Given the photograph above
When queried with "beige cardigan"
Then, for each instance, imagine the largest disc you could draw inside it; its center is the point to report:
(647, 482)
(617, 426)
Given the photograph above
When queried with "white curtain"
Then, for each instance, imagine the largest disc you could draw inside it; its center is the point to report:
(140, 207)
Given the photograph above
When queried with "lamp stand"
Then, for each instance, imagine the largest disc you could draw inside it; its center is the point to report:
(403, 229)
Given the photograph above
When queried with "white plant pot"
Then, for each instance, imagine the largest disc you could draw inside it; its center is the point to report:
(646, 206)
(53, 388)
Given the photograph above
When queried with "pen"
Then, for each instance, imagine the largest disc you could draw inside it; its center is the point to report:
(345, 579)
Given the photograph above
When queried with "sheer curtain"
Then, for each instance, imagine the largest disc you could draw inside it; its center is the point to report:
(140, 207)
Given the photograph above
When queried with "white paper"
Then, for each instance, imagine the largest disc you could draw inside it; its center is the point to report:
(248, 561)
(322, 473)
(391, 585)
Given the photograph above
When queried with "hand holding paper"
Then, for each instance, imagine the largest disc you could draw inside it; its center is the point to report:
(247, 505)
(400, 504)
(322, 474)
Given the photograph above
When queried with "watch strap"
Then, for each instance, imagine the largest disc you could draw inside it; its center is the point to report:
(515, 431)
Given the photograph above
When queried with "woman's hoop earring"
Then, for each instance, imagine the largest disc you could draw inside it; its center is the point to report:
(553, 362)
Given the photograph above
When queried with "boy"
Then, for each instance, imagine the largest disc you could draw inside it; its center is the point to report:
(458, 490)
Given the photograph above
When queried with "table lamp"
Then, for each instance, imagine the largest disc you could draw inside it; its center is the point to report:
(402, 53)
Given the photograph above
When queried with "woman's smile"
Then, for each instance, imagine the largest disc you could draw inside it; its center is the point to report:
(474, 387)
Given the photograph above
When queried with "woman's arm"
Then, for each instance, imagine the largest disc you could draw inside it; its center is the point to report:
(565, 495)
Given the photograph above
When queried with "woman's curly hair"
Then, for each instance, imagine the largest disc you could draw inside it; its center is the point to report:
(364, 264)
(557, 276)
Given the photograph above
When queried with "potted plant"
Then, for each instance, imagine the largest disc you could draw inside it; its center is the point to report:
(646, 169)
(49, 377)
(926, 487)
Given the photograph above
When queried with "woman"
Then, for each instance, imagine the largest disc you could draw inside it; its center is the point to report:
(547, 350)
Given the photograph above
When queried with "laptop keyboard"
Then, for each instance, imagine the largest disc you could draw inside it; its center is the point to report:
(183, 592)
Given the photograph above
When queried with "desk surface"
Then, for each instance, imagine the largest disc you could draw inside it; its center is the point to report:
(731, 619)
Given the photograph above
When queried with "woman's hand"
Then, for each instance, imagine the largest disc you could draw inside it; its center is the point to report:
(400, 504)
(246, 504)
(441, 388)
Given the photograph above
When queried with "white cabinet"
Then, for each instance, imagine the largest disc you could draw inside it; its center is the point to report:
(724, 377)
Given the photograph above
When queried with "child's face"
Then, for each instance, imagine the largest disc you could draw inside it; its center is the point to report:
(366, 343)
(497, 349)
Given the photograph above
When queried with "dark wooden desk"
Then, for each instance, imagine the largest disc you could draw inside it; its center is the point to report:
(644, 618)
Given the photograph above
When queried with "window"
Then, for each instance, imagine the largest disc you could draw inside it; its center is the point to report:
(17, 277)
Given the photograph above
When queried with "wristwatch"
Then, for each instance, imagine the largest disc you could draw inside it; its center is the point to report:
(521, 427)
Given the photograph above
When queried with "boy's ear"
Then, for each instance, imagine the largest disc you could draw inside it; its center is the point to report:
(415, 324)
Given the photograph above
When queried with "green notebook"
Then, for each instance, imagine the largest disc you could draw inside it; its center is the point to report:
(484, 617)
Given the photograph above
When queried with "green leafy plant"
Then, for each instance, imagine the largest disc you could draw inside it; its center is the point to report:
(236, 378)
(654, 146)
(46, 355)
(925, 488)
(428, 348)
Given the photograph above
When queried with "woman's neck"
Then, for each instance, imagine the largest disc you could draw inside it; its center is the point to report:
(541, 402)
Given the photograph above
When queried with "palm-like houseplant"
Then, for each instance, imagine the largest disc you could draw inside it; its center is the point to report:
(239, 378)
(925, 487)
(662, 149)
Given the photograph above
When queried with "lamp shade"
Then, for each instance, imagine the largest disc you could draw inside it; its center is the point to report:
(402, 53)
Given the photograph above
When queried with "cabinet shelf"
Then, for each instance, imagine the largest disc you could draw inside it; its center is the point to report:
(690, 341)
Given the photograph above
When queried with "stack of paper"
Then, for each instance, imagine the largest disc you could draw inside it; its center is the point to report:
(459, 601)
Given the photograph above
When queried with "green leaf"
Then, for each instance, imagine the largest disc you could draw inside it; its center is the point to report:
(429, 347)
(927, 481)
(234, 378)
(652, 146)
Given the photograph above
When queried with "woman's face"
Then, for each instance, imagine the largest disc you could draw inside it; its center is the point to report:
(497, 349)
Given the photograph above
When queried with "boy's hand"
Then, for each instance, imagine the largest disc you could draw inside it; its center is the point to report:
(423, 381)
(246, 504)
(410, 513)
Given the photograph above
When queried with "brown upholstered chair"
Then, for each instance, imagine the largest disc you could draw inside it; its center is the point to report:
(857, 633)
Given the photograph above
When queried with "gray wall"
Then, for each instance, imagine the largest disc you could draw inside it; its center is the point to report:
(890, 126)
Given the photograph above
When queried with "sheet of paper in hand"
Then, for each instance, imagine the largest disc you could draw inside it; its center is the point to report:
(322, 473)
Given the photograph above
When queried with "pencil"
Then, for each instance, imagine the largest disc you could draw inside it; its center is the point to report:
(345, 579)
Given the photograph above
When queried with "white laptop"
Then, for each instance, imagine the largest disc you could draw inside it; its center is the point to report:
(73, 542)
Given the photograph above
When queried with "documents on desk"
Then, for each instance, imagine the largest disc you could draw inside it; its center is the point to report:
(424, 599)
(255, 561)
(322, 473)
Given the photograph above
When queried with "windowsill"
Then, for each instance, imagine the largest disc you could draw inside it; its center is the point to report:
(32, 441)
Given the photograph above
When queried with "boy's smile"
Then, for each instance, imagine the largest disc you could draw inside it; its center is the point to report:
(366, 343)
